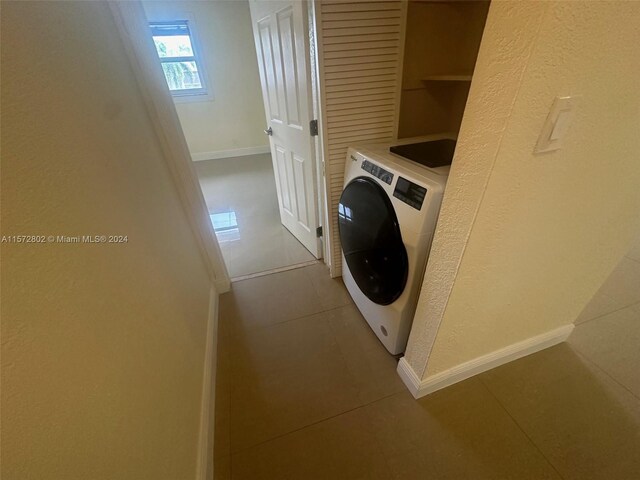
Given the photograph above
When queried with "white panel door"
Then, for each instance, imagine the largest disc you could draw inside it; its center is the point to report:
(280, 32)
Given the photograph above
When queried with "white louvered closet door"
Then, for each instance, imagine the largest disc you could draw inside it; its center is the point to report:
(360, 45)
(280, 31)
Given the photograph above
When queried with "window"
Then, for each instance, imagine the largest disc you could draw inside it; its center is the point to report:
(180, 62)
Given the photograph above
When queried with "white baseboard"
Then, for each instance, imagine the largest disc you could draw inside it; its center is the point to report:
(207, 406)
(223, 286)
(236, 152)
(420, 388)
(409, 377)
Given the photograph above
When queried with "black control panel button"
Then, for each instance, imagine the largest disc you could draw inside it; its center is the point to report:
(410, 193)
(378, 172)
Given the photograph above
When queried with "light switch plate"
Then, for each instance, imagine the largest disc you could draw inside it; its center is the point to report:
(556, 125)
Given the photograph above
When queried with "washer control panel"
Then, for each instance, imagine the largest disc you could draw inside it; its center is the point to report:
(410, 193)
(378, 172)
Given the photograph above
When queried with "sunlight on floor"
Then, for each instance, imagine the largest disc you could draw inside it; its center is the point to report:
(241, 197)
(225, 225)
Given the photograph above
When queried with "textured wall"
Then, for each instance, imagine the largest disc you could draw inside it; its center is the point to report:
(499, 69)
(102, 345)
(235, 118)
(525, 240)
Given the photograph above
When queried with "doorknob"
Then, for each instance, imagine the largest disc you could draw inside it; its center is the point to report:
(269, 131)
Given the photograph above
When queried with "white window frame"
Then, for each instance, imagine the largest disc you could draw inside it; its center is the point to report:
(202, 94)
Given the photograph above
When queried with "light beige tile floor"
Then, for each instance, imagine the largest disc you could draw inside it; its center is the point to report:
(585, 423)
(608, 329)
(245, 186)
(306, 391)
(620, 290)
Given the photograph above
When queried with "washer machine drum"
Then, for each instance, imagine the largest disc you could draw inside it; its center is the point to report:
(371, 241)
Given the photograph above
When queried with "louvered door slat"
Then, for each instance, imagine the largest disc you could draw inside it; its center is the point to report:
(363, 40)
(357, 16)
(357, 49)
(334, 7)
(360, 62)
(360, 45)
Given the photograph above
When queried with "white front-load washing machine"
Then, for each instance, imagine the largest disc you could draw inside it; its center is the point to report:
(386, 219)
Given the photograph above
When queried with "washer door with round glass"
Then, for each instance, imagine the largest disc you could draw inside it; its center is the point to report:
(371, 241)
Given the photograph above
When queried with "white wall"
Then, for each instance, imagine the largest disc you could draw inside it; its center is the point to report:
(102, 345)
(525, 240)
(235, 118)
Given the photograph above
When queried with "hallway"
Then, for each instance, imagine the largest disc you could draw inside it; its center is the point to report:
(240, 193)
(306, 391)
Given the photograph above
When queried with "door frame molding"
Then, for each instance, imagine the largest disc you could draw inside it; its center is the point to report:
(315, 90)
(323, 142)
(131, 22)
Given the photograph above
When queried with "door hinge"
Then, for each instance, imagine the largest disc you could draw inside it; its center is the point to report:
(313, 128)
(319, 232)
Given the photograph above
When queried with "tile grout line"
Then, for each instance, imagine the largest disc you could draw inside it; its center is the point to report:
(586, 357)
(342, 354)
(333, 335)
(346, 363)
(520, 427)
(633, 304)
(257, 327)
(362, 405)
(605, 372)
(317, 422)
(631, 258)
(323, 310)
(273, 271)
(383, 452)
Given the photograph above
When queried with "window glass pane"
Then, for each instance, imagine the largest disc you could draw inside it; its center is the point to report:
(173, 46)
(182, 75)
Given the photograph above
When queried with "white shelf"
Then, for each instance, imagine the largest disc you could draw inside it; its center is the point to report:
(447, 78)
